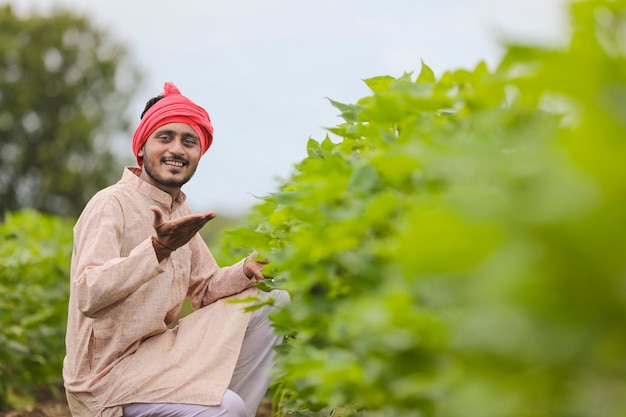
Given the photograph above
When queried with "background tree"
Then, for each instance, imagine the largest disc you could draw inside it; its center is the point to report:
(64, 87)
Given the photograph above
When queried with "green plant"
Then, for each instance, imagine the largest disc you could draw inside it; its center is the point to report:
(460, 250)
(34, 290)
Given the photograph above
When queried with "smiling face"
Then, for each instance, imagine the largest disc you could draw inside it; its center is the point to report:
(170, 157)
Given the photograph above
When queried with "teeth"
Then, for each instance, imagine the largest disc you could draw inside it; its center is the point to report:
(174, 163)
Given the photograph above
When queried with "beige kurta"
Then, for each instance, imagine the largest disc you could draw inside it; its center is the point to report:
(122, 300)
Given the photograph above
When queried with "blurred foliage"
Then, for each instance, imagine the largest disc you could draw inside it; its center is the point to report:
(212, 232)
(461, 250)
(34, 286)
(35, 251)
(64, 88)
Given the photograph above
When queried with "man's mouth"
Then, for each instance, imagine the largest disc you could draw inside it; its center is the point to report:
(174, 163)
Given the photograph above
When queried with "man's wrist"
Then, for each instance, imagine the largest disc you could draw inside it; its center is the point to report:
(162, 251)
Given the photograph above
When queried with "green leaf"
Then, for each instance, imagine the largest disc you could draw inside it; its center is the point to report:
(379, 84)
(349, 112)
(426, 74)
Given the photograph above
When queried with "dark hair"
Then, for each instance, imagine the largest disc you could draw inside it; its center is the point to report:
(150, 103)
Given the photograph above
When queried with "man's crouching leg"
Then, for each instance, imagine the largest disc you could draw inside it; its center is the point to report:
(232, 406)
(252, 373)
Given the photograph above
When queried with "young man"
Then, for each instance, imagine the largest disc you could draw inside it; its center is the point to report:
(137, 255)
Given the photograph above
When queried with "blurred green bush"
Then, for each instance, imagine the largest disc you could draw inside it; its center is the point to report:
(34, 289)
(461, 249)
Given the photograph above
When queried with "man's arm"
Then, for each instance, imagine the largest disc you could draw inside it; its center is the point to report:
(209, 283)
(101, 276)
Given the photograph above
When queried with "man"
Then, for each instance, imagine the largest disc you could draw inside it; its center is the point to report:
(137, 255)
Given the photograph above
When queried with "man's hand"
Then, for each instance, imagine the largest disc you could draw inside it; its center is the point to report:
(173, 234)
(253, 269)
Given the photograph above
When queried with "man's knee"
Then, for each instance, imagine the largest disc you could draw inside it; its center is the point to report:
(274, 299)
(234, 404)
(281, 297)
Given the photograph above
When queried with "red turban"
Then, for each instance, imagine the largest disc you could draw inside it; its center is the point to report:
(172, 108)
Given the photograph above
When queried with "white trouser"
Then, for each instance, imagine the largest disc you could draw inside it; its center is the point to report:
(250, 379)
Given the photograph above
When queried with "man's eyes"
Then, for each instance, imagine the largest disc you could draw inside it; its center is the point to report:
(190, 141)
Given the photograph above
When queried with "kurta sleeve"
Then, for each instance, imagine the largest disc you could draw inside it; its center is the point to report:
(208, 282)
(102, 276)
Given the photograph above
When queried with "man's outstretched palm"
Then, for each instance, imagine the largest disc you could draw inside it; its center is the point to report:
(175, 233)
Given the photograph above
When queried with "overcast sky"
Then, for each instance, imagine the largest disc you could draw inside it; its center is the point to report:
(263, 68)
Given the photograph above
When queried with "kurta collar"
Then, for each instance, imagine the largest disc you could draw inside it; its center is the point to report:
(131, 177)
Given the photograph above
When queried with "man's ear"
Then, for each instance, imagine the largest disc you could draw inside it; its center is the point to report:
(141, 152)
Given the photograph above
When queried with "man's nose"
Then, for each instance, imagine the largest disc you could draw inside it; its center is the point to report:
(176, 146)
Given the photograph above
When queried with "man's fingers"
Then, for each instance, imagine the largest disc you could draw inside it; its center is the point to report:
(158, 216)
(204, 219)
(209, 216)
(201, 217)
